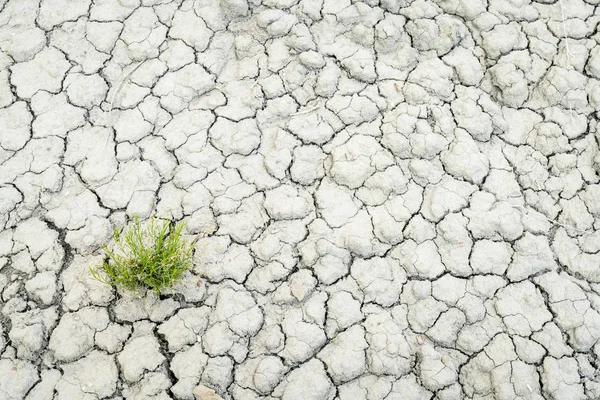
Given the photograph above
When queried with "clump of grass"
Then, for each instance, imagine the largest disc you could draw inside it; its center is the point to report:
(152, 258)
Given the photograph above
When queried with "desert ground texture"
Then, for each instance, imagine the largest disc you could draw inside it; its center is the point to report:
(390, 199)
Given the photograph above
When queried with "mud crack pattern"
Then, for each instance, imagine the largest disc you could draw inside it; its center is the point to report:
(392, 199)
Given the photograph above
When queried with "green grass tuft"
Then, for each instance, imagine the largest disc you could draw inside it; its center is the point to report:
(152, 258)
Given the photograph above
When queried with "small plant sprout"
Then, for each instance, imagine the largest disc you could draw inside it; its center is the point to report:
(152, 257)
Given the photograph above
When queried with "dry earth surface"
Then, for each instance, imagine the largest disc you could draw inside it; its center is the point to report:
(393, 199)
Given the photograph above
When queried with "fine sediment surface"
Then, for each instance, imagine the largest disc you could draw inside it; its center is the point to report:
(392, 199)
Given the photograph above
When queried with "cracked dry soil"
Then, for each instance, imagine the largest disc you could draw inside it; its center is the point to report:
(392, 199)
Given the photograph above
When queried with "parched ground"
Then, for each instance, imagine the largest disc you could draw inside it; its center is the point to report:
(392, 199)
